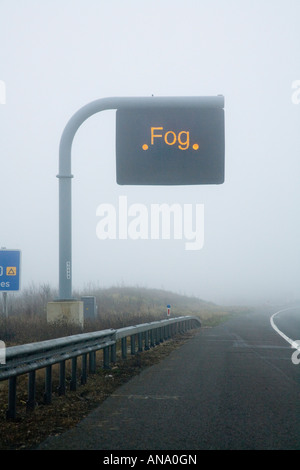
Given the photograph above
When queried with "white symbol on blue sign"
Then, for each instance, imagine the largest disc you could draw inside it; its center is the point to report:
(9, 270)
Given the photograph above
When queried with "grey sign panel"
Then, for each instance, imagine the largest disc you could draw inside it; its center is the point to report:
(169, 146)
(89, 306)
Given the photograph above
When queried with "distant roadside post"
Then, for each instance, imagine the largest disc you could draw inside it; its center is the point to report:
(10, 262)
(168, 310)
(159, 141)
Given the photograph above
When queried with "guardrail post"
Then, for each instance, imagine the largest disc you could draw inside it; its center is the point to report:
(147, 340)
(124, 347)
(113, 352)
(62, 378)
(132, 343)
(161, 333)
(165, 330)
(92, 362)
(158, 336)
(83, 368)
(73, 383)
(106, 358)
(48, 385)
(140, 342)
(30, 404)
(152, 338)
(12, 391)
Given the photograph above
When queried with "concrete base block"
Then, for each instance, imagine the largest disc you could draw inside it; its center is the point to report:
(66, 311)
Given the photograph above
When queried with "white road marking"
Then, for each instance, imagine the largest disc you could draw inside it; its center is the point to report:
(294, 343)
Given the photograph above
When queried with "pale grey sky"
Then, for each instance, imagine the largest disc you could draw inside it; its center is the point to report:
(57, 56)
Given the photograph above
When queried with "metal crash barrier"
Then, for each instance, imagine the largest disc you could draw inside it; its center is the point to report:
(28, 358)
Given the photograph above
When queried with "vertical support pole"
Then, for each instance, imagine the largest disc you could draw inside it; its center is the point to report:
(30, 405)
(12, 393)
(65, 198)
(65, 237)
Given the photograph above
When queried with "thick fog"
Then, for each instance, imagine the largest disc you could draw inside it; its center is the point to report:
(58, 55)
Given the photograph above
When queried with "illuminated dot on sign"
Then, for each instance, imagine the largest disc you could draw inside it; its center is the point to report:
(195, 146)
(145, 147)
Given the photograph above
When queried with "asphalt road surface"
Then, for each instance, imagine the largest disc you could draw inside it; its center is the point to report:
(231, 387)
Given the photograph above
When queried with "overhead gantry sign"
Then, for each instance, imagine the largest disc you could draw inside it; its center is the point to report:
(159, 141)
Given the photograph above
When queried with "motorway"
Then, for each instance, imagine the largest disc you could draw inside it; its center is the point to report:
(231, 387)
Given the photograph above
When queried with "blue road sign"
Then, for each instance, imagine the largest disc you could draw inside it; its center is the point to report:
(10, 270)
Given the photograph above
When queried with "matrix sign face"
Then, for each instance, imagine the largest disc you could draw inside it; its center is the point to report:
(9, 270)
(159, 146)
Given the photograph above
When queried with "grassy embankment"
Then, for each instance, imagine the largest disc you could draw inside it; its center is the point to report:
(117, 307)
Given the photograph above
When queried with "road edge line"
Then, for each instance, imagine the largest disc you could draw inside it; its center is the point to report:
(289, 340)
